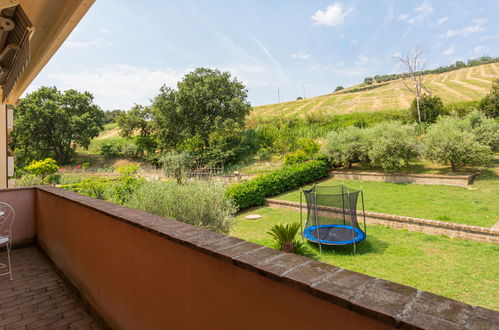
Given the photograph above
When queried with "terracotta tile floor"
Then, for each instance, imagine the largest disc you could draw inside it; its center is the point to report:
(38, 297)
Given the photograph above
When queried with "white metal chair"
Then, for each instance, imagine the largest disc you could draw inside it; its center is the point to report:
(7, 216)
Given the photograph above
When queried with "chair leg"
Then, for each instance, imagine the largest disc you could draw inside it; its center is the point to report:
(8, 261)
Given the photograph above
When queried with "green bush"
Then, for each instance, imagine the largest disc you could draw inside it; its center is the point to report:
(201, 204)
(284, 235)
(451, 141)
(112, 149)
(347, 146)
(298, 156)
(489, 105)
(429, 107)
(42, 167)
(392, 145)
(29, 180)
(254, 191)
(93, 187)
(485, 129)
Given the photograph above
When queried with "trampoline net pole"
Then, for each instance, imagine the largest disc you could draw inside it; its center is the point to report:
(351, 219)
(301, 214)
(316, 222)
(343, 203)
(363, 211)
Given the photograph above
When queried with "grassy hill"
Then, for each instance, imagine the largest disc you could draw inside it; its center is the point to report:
(459, 85)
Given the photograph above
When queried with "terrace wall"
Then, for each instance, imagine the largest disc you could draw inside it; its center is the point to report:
(22, 201)
(141, 271)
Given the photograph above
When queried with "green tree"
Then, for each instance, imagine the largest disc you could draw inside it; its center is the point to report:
(338, 88)
(138, 123)
(206, 101)
(490, 103)
(451, 141)
(52, 123)
(429, 108)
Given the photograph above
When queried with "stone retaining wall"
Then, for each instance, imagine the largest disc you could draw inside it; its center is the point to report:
(433, 227)
(432, 179)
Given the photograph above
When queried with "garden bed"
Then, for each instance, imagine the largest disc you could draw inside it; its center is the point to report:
(431, 179)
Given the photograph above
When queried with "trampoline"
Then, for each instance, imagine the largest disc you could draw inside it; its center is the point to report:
(332, 215)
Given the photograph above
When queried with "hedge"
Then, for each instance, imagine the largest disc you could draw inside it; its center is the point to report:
(253, 192)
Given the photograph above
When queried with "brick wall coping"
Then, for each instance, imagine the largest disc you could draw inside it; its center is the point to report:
(433, 179)
(409, 175)
(426, 222)
(394, 304)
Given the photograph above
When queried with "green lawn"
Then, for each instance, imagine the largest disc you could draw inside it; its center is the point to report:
(463, 270)
(476, 205)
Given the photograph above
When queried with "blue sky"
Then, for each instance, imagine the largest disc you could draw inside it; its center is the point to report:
(123, 51)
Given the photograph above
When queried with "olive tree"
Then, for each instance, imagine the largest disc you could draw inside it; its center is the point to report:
(346, 147)
(451, 141)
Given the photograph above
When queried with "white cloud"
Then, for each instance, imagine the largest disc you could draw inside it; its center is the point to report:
(397, 54)
(361, 60)
(118, 86)
(332, 16)
(467, 30)
(442, 20)
(480, 49)
(403, 17)
(420, 12)
(301, 55)
(449, 51)
(104, 30)
(489, 37)
(354, 41)
(95, 43)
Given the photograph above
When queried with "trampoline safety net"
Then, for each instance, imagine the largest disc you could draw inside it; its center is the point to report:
(332, 215)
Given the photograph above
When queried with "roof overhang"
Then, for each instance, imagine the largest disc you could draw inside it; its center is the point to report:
(49, 23)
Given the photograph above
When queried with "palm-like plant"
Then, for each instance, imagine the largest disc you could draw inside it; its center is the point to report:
(285, 234)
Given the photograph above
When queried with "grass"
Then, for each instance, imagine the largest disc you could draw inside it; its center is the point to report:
(391, 95)
(463, 270)
(476, 206)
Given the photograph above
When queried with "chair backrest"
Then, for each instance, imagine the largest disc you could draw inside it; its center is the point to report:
(7, 216)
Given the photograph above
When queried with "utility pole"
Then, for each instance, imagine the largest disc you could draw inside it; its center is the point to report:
(278, 96)
(303, 85)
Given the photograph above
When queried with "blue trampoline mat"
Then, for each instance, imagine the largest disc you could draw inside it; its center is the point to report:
(333, 234)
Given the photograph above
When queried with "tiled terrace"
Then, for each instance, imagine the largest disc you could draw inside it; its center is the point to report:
(38, 297)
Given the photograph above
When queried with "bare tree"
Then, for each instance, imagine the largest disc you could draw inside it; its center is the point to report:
(413, 63)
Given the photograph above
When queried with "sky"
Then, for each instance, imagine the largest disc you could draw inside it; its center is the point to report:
(123, 51)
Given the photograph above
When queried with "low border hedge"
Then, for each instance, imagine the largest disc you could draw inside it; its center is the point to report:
(253, 192)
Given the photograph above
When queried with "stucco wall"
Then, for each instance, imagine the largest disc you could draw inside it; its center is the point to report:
(22, 201)
(137, 279)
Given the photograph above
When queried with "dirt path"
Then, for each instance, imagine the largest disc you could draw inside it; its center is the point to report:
(452, 91)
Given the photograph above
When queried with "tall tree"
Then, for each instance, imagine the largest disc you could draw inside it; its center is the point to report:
(413, 63)
(206, 101)
(51, 123)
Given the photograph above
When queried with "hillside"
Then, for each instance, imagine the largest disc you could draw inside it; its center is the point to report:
(460, 85)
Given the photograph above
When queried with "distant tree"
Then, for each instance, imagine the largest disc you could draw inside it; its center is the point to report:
(378, 78)
(138, 123)
(429, 109)
(489, 105)
(299, 98)
(110, 116)
(206, 101)
(339, 88)
(413, 63)
(51, 123)
(368, 80)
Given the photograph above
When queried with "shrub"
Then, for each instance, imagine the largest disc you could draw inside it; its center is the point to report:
(112, 149)
(485, 129)
(346, 147)
(129, 169)
(392, 145)
(309, 146)
(254, 191)
(429, 107)
(338, 88)
(451, 141)
(85, 165)
(200, 204)
(489, 105)
(129, 150)
(29, 180)
(298, 156)
(92, 187)
(284, 235)
(42, 167)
